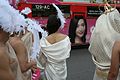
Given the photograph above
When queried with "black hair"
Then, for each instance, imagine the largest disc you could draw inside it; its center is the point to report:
(53, 24)
(40, 35)
(73, 26)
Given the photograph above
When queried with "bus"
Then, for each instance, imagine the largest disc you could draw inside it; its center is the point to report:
(89, 11)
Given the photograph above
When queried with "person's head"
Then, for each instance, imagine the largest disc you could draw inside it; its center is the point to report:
(78, 28)
(56, 21)
(5, 24)
(10, 19)
(53, 24)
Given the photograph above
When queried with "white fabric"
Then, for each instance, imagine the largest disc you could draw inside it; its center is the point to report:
(56, 55)
(104, 35)
(103, 75)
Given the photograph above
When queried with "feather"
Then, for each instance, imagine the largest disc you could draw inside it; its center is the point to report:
(60, 16)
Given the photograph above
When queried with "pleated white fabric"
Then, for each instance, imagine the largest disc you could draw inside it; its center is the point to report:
(104, 35)
(56, 55)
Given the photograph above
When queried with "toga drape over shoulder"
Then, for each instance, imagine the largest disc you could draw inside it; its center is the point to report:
(56, 55)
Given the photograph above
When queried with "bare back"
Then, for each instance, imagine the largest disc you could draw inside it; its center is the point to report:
(20, 51)
(56, 37)
(5, 70)
(22, 55)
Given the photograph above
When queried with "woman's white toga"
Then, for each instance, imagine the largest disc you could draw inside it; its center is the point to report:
(56, 55)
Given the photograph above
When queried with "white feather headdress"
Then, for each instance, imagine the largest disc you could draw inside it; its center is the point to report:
(60, 16)
(35, 28)
(10, 19)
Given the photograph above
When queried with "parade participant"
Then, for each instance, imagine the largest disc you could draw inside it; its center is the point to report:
(55, 66)
(10, 21)
(22, 45)
(22, 55)
(103, 43)
(32, 33)
(31, 40)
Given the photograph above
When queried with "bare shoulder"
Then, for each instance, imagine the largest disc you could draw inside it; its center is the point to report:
(14, 41)
(56, 37)
(60, 37)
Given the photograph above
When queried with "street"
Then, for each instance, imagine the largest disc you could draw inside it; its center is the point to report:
(80, 65)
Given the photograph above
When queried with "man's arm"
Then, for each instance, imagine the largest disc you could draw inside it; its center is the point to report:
(22, 55)
(114, 68)
(5, 70)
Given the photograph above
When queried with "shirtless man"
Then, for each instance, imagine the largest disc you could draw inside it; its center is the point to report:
(22, 55)
(9, 65)
(5, 69)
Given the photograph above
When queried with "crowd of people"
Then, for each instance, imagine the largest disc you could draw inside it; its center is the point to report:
(26, 49)
(22, 41)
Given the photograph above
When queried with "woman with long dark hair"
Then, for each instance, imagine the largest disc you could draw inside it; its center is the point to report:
(78, 30)
(53, 49)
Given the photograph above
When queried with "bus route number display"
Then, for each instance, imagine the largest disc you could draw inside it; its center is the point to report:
(44, 10)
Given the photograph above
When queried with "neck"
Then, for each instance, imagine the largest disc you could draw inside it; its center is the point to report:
(55, 33)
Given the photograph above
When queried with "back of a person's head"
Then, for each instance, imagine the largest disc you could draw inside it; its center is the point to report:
(53, 24)
(10, 18)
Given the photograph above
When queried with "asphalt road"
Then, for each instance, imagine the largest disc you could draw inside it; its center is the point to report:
(80, 65)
